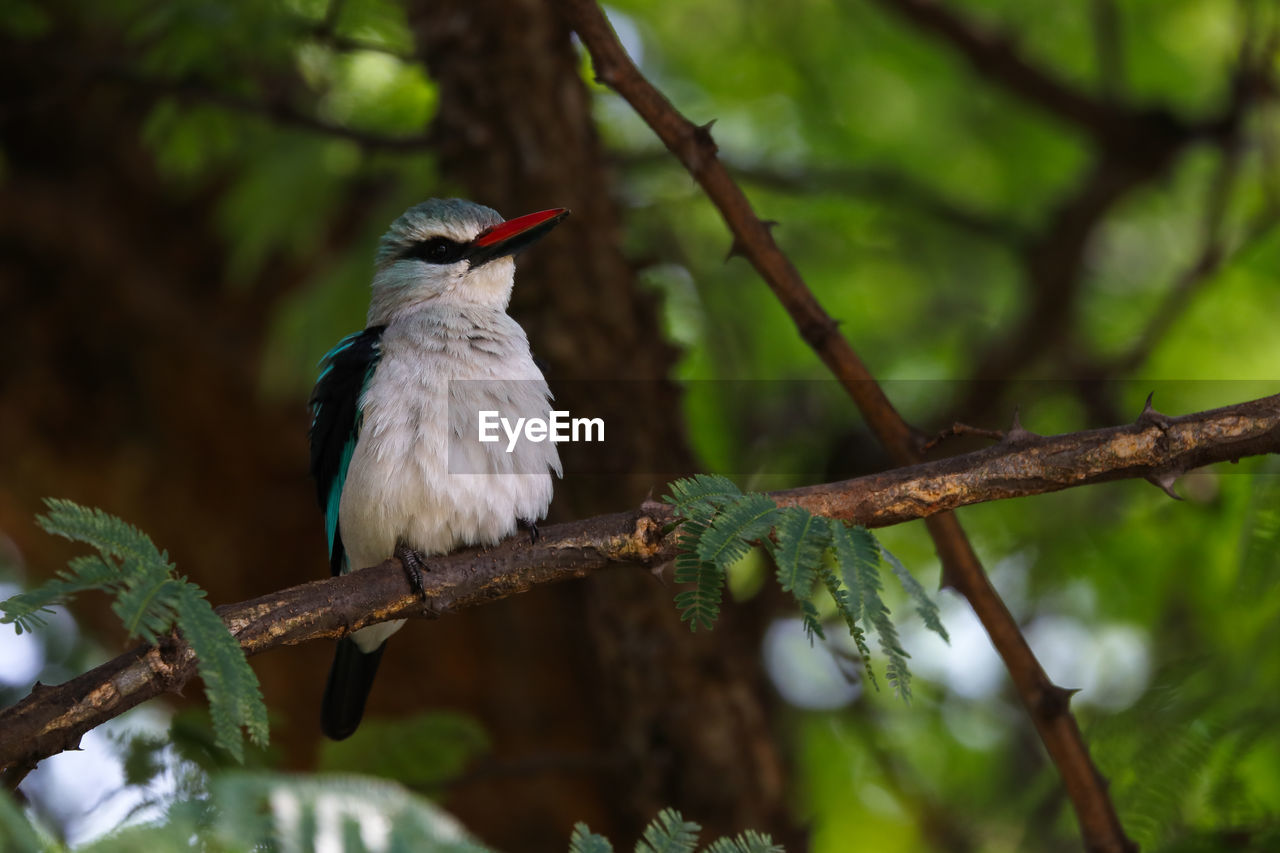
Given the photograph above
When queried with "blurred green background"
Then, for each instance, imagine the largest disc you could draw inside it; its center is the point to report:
(190, 194)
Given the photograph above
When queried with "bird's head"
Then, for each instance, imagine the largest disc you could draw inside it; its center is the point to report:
(450, 251)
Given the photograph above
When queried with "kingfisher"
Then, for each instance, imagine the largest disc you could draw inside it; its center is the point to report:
(395, 454)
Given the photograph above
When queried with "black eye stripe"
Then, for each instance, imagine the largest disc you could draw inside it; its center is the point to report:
(435, 250)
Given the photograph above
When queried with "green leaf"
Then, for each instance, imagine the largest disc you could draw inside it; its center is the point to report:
(701, 495)
(812, 621)
(858, 558)
(925, 605)
(235, 699)
(747, 842)
(802, 538)
(143, 759)
(669, 833)
(84, 573)
(150, 600)
(700, 606)
(147, 606)
(419, 751)
(16, 832)
(584, 840)
(272, 811)
(852, 547)
(851, 614)
(731, 532)
(103, 531)
(171, 836)
(858, 554)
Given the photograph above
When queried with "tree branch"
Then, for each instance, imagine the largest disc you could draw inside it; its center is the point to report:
(693, 145)
(52, 719)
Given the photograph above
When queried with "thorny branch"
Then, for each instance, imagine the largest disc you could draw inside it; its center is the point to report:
(52, 719)
(1110, 126)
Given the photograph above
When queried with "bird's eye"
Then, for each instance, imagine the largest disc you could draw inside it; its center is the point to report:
(436, 250)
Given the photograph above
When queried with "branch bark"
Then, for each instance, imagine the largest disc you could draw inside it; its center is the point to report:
(693, 146)
(52, 719)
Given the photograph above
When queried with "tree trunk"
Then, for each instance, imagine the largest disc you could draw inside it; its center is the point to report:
(682, 719)
(131, 384)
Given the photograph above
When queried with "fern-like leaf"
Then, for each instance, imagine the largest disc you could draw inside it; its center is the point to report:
(687, 562)
(105, 532)
(148, 605)
(801, 540)
(859, 560)
(25, 609)
(811, 620)
(747, 842)
(701, 495)
(151, 601)
(235, 699)
(261, 811)
(669, 832)
(584, 840)
(848, 611)
(925, 606)
(729, 536)
(700, 606)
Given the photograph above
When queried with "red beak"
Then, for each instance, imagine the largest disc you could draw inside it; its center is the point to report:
(511, 236)
(515, 227)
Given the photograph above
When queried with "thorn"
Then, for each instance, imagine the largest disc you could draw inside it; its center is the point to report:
(1164, 481)
(739, 248)
(654, 508)
(1151, 416)
(1016, 433)
(947, 581)
(702, 133)
(660, 572)
(953, 431)
(1054, 700)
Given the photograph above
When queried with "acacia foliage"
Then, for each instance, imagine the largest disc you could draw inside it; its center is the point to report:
(718, 527)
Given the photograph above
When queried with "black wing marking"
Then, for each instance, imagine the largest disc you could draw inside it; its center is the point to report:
(335, 424)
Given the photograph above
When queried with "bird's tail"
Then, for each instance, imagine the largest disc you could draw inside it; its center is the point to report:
(350, 680)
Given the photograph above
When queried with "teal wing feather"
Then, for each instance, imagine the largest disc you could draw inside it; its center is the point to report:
(335, 424)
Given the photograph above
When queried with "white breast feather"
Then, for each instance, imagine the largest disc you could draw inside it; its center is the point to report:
(399, 484)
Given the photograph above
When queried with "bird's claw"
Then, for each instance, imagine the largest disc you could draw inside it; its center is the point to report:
(532, 527)
(414, 567)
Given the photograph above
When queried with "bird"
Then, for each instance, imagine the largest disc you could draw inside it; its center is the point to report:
(394, 451)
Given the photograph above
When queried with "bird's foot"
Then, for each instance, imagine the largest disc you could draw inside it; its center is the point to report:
(414, 567)
(532, 527)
